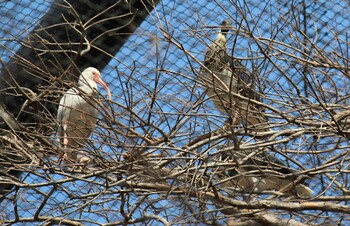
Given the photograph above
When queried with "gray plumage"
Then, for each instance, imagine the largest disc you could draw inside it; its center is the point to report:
(262, 172)
(227, 75)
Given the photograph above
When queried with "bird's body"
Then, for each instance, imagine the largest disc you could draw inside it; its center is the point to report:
(225, 78)
(77, 112)
(263, 172)
(232, 88)
(78, 120)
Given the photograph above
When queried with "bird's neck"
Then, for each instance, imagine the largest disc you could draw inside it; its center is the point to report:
(87, 87)
(221, 40)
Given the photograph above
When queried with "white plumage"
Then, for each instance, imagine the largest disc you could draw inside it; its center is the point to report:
(77, 112)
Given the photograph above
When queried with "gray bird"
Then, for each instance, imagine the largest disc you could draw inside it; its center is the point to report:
(227, 75)
(262, 172)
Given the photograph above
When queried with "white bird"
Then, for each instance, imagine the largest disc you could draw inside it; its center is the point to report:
(77, 112)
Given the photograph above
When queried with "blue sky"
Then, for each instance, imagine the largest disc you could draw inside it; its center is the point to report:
(147, 46)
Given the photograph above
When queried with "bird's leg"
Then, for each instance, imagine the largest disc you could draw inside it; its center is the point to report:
(65, 140)
(233, 120)
(65, 143)
(65, 146)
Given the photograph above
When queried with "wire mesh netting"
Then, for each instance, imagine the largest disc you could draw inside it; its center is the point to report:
(162, 151)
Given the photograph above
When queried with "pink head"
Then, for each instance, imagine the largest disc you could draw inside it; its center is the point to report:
(90, 75)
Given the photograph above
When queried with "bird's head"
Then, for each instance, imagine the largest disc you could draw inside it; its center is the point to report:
(226, 26)
(90, 77)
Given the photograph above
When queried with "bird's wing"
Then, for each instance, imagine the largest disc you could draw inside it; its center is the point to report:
(218, 79)
(63, 112)
(228, 75)
(216, 58)
(60, 115)
(69, 101)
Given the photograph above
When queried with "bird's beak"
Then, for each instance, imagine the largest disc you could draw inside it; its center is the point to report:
(104, 85)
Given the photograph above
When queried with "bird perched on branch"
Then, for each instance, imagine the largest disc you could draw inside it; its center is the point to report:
(226, 79)
(232, 87)
(77, 112)
(263, 172)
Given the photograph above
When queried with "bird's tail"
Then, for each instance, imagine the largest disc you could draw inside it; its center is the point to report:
(303, 191)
